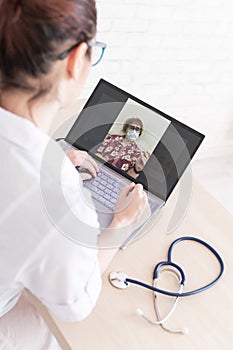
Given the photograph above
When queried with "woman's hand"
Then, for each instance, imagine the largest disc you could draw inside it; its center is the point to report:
(84, 160)
(131, 205)
(131, 211)
(141, 162)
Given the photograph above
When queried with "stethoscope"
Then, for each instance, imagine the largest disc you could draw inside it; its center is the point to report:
(121, 280)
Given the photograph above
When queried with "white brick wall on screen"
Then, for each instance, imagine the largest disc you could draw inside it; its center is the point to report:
(176, 55)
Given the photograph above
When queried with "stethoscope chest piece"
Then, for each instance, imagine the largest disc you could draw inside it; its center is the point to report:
(117, 279)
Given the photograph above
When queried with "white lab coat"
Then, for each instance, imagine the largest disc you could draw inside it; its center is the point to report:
(34, 252)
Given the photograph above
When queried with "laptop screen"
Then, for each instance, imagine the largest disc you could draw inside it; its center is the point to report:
(135, 139)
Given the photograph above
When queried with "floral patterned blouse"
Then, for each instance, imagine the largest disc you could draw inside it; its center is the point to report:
(115, 153)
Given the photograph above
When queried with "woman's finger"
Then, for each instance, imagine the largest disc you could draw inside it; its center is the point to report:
(95, 165)
(138, 189)
(85, 176)
(84, 160)
(88, 158)
(86, 164)
(127, 189)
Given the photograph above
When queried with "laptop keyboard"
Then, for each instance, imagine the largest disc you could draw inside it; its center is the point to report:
(105, 188)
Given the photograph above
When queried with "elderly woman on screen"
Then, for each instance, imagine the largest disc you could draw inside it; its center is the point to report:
(122, 151)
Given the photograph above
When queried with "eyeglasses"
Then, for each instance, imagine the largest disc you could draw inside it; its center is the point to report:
(97, 51)
(134, 127)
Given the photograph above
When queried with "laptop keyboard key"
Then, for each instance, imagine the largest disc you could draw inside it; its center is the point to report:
(105, 188)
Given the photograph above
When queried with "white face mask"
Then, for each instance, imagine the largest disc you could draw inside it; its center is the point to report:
(132, 135)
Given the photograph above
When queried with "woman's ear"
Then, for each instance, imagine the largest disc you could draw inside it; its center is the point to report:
(76, 60)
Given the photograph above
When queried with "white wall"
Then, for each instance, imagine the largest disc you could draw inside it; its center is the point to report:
(175, 54)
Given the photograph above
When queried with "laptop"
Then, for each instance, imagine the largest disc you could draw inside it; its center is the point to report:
(131, 141)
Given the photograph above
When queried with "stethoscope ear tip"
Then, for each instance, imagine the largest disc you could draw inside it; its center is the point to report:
(185, 330)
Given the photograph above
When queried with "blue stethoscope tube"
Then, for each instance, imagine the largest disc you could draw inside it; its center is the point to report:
(177, 267)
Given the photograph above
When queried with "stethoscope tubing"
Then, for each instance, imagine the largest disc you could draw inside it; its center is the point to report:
(170, 263)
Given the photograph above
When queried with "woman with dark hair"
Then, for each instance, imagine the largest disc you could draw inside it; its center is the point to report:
(47, 48)
(122, 151)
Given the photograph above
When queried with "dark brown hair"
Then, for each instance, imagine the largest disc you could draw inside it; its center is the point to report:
(131, 121)
(34, 32)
